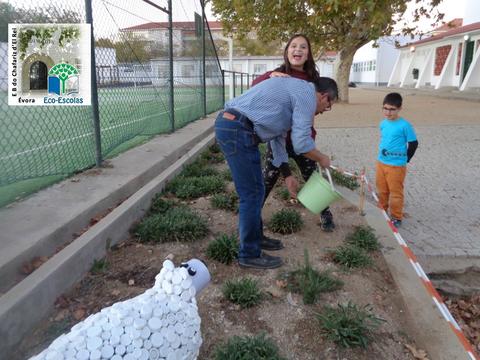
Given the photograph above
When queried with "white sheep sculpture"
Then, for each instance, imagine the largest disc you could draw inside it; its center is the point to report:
(161, 323)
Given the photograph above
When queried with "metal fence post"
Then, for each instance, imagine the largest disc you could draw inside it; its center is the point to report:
(223, 86)
(93, 78)
(170, 55)
(204, 75)
(248, 81)
(241, 83)
(234, 74)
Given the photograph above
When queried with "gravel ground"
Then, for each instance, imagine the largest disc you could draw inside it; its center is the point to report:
(442, 200)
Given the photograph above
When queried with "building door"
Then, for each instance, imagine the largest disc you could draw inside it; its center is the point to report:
(38, 76)
(469, 45)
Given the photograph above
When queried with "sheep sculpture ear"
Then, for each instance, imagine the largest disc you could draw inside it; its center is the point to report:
(198, 272)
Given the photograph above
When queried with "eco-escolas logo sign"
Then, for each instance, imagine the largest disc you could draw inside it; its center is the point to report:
(49, 64)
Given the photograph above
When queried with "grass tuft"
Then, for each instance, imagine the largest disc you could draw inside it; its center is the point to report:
(244, 292)
(194, 187)
(175, 224)
(226, 175)
(223, 249)
(283, 193)
(197, 169)
(364, 238)
(213, 155)
(351, 257)
(286, 221)
(247, 348)
(343, 180)
(225, 201)
(348, 325)
(311, 283)
(99, 266)
(160, 205)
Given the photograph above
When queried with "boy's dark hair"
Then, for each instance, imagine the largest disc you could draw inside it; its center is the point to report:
(326, 85)
(309, 67)
(394, 99)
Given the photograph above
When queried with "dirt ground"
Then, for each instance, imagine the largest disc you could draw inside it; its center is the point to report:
(282, 315)
(364, 110)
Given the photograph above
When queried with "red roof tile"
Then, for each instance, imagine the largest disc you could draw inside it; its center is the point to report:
(455, 31)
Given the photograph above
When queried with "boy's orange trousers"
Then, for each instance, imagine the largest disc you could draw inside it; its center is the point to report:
(389, 181)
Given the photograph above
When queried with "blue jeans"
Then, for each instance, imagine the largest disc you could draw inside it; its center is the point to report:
(240, 147)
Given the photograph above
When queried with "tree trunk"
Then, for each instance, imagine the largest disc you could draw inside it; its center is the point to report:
(342, 72)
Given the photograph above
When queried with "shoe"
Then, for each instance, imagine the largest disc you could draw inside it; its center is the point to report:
(270, 244)
(326, 221)
(264, 261)
(396, 222)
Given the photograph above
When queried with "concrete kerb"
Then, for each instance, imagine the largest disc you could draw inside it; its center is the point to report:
(429, 328)
(29, 301)
(40, 224)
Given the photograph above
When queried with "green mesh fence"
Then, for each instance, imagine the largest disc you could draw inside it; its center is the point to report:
(39, 145)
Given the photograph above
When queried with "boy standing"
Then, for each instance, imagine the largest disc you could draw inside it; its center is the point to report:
(398, 144)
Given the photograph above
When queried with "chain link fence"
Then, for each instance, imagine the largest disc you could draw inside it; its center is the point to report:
(134, 72)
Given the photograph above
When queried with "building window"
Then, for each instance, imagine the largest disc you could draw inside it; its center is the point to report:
(459, 58)
(259, 68)
(441, 54)
(38, 76)
(187, 70)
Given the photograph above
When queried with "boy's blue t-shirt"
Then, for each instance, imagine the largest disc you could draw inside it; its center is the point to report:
(394, 136)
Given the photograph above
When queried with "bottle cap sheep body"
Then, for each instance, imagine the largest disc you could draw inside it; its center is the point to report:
(161, 323)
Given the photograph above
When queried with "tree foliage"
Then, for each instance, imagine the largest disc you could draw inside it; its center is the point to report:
(45, 14)
(340, 25)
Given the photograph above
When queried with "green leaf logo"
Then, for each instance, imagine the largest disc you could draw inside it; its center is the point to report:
(63, 72)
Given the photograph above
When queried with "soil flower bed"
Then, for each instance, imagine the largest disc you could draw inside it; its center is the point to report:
(285, 306)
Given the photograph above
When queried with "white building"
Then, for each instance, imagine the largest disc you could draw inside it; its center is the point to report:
(448, 59)
(373, 65)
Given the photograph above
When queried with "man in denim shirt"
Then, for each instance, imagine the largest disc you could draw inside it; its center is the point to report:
(265, 113)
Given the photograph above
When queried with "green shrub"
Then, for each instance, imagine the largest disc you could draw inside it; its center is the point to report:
(256, 347)
(161, 205)
(225, 201)
(197, 169)
(244, 292)
(310, 282)
(214, 148)
(213, 155)
(227, 175)
(194, 187)
(286, 221)
(343, 180)
(99, 266)
(351, 257)
(364, 238)
(348, 325)
(283, 193)
(175, 224)
(224, 248)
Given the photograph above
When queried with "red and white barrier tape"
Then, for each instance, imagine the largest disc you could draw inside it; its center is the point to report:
(437, 299)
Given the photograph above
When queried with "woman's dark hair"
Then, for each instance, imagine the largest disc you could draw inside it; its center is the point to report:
(309, 67)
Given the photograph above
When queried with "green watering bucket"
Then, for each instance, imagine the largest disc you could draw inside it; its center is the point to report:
(318, 193)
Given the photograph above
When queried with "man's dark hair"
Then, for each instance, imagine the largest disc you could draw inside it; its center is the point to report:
(326, 85)
(394, 99)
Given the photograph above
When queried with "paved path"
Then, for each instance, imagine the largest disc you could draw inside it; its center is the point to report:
(442, 186)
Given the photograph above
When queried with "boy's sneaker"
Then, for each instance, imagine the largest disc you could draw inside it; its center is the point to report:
(264, 261)
(270, 244)
(396, 222)
(326, 221)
